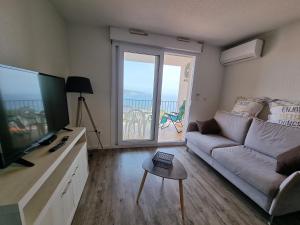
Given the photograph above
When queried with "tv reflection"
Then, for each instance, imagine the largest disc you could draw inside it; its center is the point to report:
(26, 120)
(23, 106)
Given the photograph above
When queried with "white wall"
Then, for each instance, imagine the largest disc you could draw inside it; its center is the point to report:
(90, 56)
(207, 84)
(33, 36)
(275, 75)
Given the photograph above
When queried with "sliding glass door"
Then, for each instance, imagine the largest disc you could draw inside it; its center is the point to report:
(154, 94)
(177, 78)
(139, 82)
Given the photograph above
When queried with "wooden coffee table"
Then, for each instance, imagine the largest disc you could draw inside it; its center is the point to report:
(177, 172)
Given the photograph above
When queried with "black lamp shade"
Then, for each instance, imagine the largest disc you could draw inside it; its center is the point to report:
(79, 84)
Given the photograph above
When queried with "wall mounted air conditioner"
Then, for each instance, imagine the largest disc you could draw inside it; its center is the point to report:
(247, 51)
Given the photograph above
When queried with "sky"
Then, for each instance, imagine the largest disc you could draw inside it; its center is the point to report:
(139, 76)
(19, 84)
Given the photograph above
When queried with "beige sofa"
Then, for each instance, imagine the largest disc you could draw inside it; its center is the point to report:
(245, 153)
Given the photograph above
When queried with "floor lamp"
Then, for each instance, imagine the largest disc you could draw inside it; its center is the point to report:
(82, 85)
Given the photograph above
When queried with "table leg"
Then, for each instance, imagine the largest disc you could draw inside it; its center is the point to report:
(181, 198)
(141, 186)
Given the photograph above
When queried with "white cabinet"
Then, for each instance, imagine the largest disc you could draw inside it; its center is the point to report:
(79, 177)
(57, 211)
(67, 200)
(77, 184)
(49, 217)
(63, 206)
(54, 188)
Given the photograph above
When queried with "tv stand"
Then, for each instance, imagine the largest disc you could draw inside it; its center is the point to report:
(24, 162)
(49, 192)
(49, 140)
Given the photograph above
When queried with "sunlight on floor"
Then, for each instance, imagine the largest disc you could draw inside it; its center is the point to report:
(169, 134)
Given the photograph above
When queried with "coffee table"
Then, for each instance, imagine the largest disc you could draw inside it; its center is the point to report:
(176, 172)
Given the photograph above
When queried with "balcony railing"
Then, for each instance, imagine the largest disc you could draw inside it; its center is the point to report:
(146, 105)
(137, 119)
(35, 105)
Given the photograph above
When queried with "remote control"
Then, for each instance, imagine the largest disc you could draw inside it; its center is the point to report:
(60, 144)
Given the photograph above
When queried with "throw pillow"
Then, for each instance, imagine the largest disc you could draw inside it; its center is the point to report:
(285, 113)
(193, 126)
(288, 162)
(208, 127)
(248, 106)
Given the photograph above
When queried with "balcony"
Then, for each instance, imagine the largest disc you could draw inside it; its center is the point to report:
(137, 117)
(27, 117)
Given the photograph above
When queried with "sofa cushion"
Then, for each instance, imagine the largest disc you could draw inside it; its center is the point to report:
(248, 106)
(285, 113)
(234, 127)
(272, 139)
(253, 167)
(209, 141)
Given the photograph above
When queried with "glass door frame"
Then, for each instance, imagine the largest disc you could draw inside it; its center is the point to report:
(194, 57)
(159, 54)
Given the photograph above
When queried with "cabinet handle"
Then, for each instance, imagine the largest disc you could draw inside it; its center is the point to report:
(67, 187)
(75, 171)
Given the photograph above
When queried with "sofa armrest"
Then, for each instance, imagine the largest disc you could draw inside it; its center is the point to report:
(192, 127)
(287, 198)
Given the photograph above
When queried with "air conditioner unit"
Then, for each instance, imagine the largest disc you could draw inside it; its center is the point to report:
(247, 51)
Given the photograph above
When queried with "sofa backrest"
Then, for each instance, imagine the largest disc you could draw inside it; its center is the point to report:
(271, 139)
(234, 127)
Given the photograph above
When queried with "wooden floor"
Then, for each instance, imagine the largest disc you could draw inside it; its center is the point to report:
(115, 175)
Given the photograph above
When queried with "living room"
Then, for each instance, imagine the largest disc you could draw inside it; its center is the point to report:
(211, 83)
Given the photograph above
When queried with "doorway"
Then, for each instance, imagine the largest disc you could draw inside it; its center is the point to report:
(153, 95)
(177, 79)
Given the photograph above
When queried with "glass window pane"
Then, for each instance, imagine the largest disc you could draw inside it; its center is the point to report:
(138, 89)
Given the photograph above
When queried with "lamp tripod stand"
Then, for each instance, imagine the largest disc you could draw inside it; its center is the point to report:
(81, 102)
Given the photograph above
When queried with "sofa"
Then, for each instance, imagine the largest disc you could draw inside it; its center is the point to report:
(245, 152)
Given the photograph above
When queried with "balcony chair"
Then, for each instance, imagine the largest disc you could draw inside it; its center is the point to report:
(134, 124)
(174, 117)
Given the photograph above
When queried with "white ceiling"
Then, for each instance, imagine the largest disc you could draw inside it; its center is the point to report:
(219, 22)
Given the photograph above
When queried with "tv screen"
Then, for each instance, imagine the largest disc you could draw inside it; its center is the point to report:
(33, 106)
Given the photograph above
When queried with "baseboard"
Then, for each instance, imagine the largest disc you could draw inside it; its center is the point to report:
(108, 147)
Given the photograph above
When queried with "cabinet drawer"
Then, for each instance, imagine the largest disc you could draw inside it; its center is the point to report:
(65, 199)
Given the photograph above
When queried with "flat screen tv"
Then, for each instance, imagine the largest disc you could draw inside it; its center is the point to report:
(33, 107)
